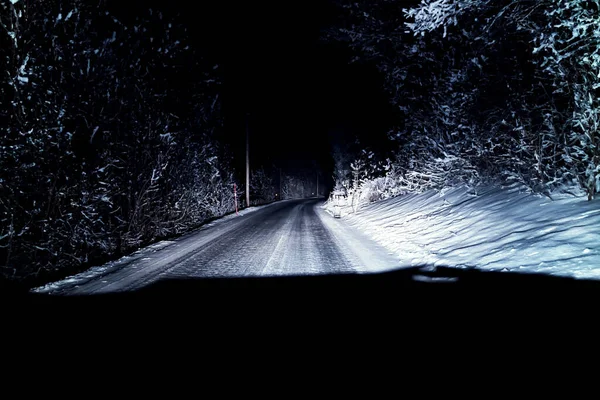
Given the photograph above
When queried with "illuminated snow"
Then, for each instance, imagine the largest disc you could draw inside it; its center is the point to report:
(503, 229)
(126, 261)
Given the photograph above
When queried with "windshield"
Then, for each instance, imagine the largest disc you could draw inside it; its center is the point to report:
(164, 141)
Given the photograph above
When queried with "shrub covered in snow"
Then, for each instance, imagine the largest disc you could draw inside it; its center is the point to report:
(98, 155)
(489, 90)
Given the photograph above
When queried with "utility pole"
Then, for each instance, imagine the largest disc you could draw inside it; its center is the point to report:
(235, 197)
(280, 184)
(317, 184)
(247, 161)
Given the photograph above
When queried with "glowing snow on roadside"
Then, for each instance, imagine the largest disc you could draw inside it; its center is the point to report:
(505, 229)
(141, 254)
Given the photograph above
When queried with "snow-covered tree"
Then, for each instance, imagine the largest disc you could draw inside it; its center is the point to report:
(342, 173)
(298, 185)
(262, 186)
(489, 89)
(108, 135)
(565, 38)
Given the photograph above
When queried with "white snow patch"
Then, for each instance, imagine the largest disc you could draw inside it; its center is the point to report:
(487, 227)
(101, 270)
(140, 255)
(240, 212)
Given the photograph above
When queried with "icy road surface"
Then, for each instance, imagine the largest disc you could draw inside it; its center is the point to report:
(295, 237)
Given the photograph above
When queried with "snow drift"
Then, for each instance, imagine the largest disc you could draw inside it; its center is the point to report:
(507, 229)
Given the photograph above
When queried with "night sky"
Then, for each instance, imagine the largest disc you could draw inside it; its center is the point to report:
(301, 92)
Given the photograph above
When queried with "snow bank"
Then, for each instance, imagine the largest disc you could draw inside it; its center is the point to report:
(141, 254)
(507, 229)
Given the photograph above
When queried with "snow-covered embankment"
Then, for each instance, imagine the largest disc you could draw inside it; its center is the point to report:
(490, 228)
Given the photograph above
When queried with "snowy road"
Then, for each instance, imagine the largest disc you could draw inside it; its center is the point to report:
(287, 238)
